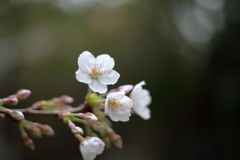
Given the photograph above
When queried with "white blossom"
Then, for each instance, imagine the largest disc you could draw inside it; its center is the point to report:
(96, 72)
(91, 147)
(118, 106)
(141, 99)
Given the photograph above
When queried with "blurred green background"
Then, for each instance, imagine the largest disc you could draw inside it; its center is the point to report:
(187, 51)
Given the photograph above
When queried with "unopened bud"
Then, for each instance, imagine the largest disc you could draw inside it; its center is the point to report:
(107, 122)
(46, 129)
(28, 142)
(107, 142)
(34, 131)
(77, 130)
(63, 115)
(12, 100)
(2, 115)
(17, 115)
(91, 118)
(64, 99)
(94, 100)
(23, 94)
(39, 105)
(98, 126)
(99, 113)
(117, 141)
(125, 88)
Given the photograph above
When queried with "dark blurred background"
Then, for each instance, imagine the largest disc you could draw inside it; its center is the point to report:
(187, 51)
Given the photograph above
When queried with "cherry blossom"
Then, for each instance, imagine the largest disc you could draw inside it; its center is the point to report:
(118, 106)
(96, 72)
(91, 147)
(141, 99)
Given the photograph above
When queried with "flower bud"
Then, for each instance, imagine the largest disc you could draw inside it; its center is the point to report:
(34, 131)
(2, 115)
(39, 105)
(23, 94)
(91, 118)
(98, 126)
(94, 100)
(64, 99)
(107, 141)
(28, 142)
(17, 115)
(77, 130)
(46, 129)
(12, 100)
(125, 88)
(117, 141)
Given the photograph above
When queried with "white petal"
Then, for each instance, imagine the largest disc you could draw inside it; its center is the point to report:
(148, 99)
(144, 112)
(105, 61)
(113, 94)
(124, 117)
(113, 115)
(96, 86)
(89, 156)
(91, 148)
(142, 96)
(127, 102)
(83, 77)
(109, 77)
(138, 86)
(85, 61)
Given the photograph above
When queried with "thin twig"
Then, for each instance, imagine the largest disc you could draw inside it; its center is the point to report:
(42, 112)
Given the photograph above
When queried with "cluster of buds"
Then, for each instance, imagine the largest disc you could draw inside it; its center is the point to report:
(118, 104)
(35, 129)
(12, 100)
(58, 103)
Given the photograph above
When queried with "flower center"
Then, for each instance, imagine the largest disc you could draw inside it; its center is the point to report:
(114, 104)
(96, 71)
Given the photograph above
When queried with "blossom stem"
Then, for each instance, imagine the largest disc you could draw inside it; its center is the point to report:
(78, 120)
(43, 112)
(105, 125)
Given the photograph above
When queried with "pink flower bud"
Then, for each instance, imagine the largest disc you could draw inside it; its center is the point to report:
(107, 141)
(28, 142)
(2, 115)
(64, 99)
(125, 88)
(91, 118)
(39, 105)
(12, 100)
(117, 141)
(77, 130)
(23, 94)
(34, 131)
(17, 115)
(46, 129)
(98, 126)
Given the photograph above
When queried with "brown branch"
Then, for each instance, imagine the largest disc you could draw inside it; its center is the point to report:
(42, 112)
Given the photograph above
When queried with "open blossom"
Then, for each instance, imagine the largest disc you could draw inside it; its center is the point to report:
(141, 99)
(118, 106)
(96, 72)
(91, 147)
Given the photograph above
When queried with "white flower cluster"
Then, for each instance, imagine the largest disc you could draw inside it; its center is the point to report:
(98, 73)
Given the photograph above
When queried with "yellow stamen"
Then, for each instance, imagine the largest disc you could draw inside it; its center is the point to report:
(114, 104)
(96, 71)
